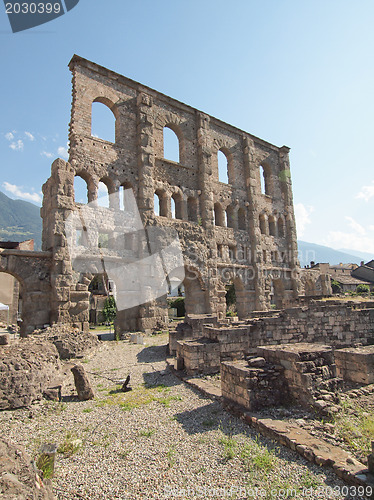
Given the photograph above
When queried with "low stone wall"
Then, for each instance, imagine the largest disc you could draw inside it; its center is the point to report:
(198, 356)
(253, 387)
(336, 324)
(308, 369)
(356, 364)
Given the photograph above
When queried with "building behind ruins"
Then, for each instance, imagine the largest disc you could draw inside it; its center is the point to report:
(233, 232)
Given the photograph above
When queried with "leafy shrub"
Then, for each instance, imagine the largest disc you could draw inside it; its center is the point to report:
(362, 289)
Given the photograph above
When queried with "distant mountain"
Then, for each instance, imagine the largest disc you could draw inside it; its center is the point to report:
(19, 221)
(363, 255)
(311, 252)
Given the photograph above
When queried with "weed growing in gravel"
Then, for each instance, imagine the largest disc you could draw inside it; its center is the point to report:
(87, 410)
(138, 397)
(171, 456)
(309, 481)
(147, 433)
(70, 445)
(45, 464)
(355, 425)
(166, 401)
(230, 447)
(259, 456)
(55, 407)
(124, 454)
(209, 423)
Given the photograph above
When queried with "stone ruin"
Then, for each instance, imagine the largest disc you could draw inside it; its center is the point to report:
(230, 233)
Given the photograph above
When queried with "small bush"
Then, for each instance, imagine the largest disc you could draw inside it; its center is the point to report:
(362, 289)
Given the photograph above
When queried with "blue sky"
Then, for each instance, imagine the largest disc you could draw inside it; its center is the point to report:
(293, 72)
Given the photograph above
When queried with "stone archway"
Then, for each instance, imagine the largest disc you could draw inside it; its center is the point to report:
(32, 271)
(195, 293)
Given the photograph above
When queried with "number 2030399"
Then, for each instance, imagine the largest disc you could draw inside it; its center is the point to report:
(33, 8)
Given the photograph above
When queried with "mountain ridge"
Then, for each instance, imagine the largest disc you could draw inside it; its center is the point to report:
(20, 220)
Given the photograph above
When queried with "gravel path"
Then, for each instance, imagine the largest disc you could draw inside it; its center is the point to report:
(161, 440)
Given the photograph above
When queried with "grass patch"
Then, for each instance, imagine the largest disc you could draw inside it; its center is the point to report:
(166, 401)
(355, 425)
(138, 397)
(230, 447)
(87, 410)
(171, 456)
(45, 463)
(209, 423)
(147, 433)
(70, 445)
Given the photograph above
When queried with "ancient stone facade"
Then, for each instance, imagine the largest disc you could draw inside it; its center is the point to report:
(234, 232)
(230, 232)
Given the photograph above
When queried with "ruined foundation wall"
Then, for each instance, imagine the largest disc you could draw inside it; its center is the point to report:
(337, 325)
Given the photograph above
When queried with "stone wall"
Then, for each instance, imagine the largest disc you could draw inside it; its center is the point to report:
(230, 233)
(253, 387)
(308, 368)
(338, 324)
(32, 272)
(356, 364)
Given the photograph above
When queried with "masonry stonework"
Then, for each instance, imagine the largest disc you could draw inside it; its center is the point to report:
(231, 233)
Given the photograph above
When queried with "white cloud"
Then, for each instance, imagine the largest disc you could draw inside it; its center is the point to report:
(9, 136)
(355, 225)
(358, 239)
(302, 215)
(17, 191)
(30, 136)
(63, 152)
(366, 192)
(17, 146)
(46, 154)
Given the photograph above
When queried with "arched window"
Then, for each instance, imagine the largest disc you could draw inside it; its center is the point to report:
(103, 195)
(272, 226)
(241, 219)
(223, 167)
(280, 227)
(192, 209)
(80, 190)
(265, 180)
(171, 145)
(103, 122)
(176, 200)
(263, 224)
(230, 216)
(219, 216)
(160, 203)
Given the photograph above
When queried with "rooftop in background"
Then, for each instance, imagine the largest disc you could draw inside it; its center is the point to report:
(17, 245)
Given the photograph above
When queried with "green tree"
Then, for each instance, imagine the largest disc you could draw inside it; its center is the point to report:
(336, 286)
(362, 289)
(230, 295)
(110, 309)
